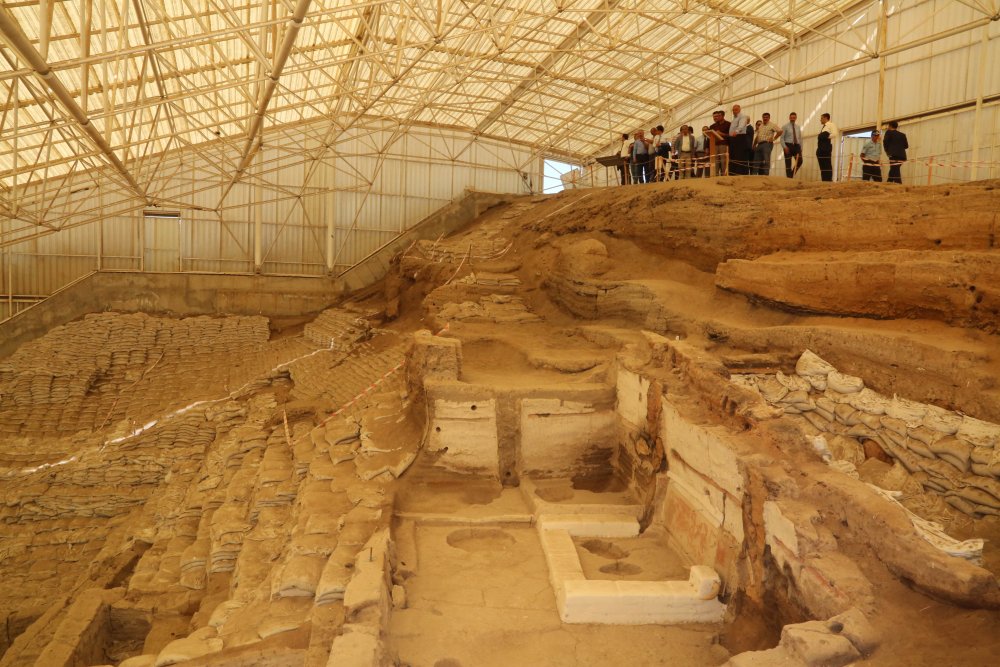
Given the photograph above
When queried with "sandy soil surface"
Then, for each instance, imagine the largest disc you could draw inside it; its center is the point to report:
(895, 285)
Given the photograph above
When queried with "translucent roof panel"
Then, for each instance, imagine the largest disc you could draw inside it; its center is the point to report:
(108, 87)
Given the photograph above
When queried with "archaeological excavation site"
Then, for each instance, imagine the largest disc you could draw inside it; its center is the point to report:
(380, 333)
(595, 428)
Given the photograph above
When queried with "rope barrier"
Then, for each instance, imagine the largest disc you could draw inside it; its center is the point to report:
(703, 164)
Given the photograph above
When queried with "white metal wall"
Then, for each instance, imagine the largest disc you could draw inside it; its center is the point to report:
(920, 88)
(368, 188)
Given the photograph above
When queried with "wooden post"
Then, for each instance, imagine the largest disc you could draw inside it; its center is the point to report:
(142, 242)
(100, 243)
(930, 168)
(850, 166)
(9, 256)
(711, 156)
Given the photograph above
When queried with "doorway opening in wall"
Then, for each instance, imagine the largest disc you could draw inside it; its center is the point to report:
(558, 176)
(161, 241)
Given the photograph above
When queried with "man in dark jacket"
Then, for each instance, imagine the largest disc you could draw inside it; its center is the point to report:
(894, 144)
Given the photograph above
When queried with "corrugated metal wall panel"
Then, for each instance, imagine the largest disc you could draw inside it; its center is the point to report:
(121, 249)
(39, 275)
(419, 174)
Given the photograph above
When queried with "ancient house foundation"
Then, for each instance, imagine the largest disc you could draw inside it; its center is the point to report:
(537, 443)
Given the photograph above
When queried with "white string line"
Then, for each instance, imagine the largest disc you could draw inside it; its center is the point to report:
(236, 393)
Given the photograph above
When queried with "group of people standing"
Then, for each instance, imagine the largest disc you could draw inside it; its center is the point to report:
(745, 148)
(893, 144)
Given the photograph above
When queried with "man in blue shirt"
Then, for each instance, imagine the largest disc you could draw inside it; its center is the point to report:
(791, 145)
(871, 158)
(639, 158)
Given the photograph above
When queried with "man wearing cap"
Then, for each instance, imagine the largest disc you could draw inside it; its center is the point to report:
(871, 158)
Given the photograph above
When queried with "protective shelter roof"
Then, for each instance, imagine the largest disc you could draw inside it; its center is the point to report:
(114, 85)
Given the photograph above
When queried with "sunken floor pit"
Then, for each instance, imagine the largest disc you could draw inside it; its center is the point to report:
(742, 422)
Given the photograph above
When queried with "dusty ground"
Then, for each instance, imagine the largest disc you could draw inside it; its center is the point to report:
(896, 285)
(487, 602)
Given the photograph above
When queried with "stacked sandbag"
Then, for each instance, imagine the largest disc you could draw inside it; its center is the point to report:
(96, 371)
(949, 453)
(313, 538)
(193, 561)
(340, 377)
(337, 330)
(200, 643)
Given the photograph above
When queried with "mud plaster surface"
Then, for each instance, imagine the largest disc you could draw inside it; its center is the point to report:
(490, 604)
(644, 558)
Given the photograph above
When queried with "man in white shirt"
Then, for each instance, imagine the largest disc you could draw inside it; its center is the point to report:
(739, 147)
(763, 141)
(829, 136)
(685, 145)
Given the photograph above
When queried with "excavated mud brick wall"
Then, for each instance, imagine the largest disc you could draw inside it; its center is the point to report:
(703, 504)
(503, 433)
(689, 474)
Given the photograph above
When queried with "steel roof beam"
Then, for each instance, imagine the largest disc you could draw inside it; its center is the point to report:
(19, 42)
(280, 58)
(583, 28)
